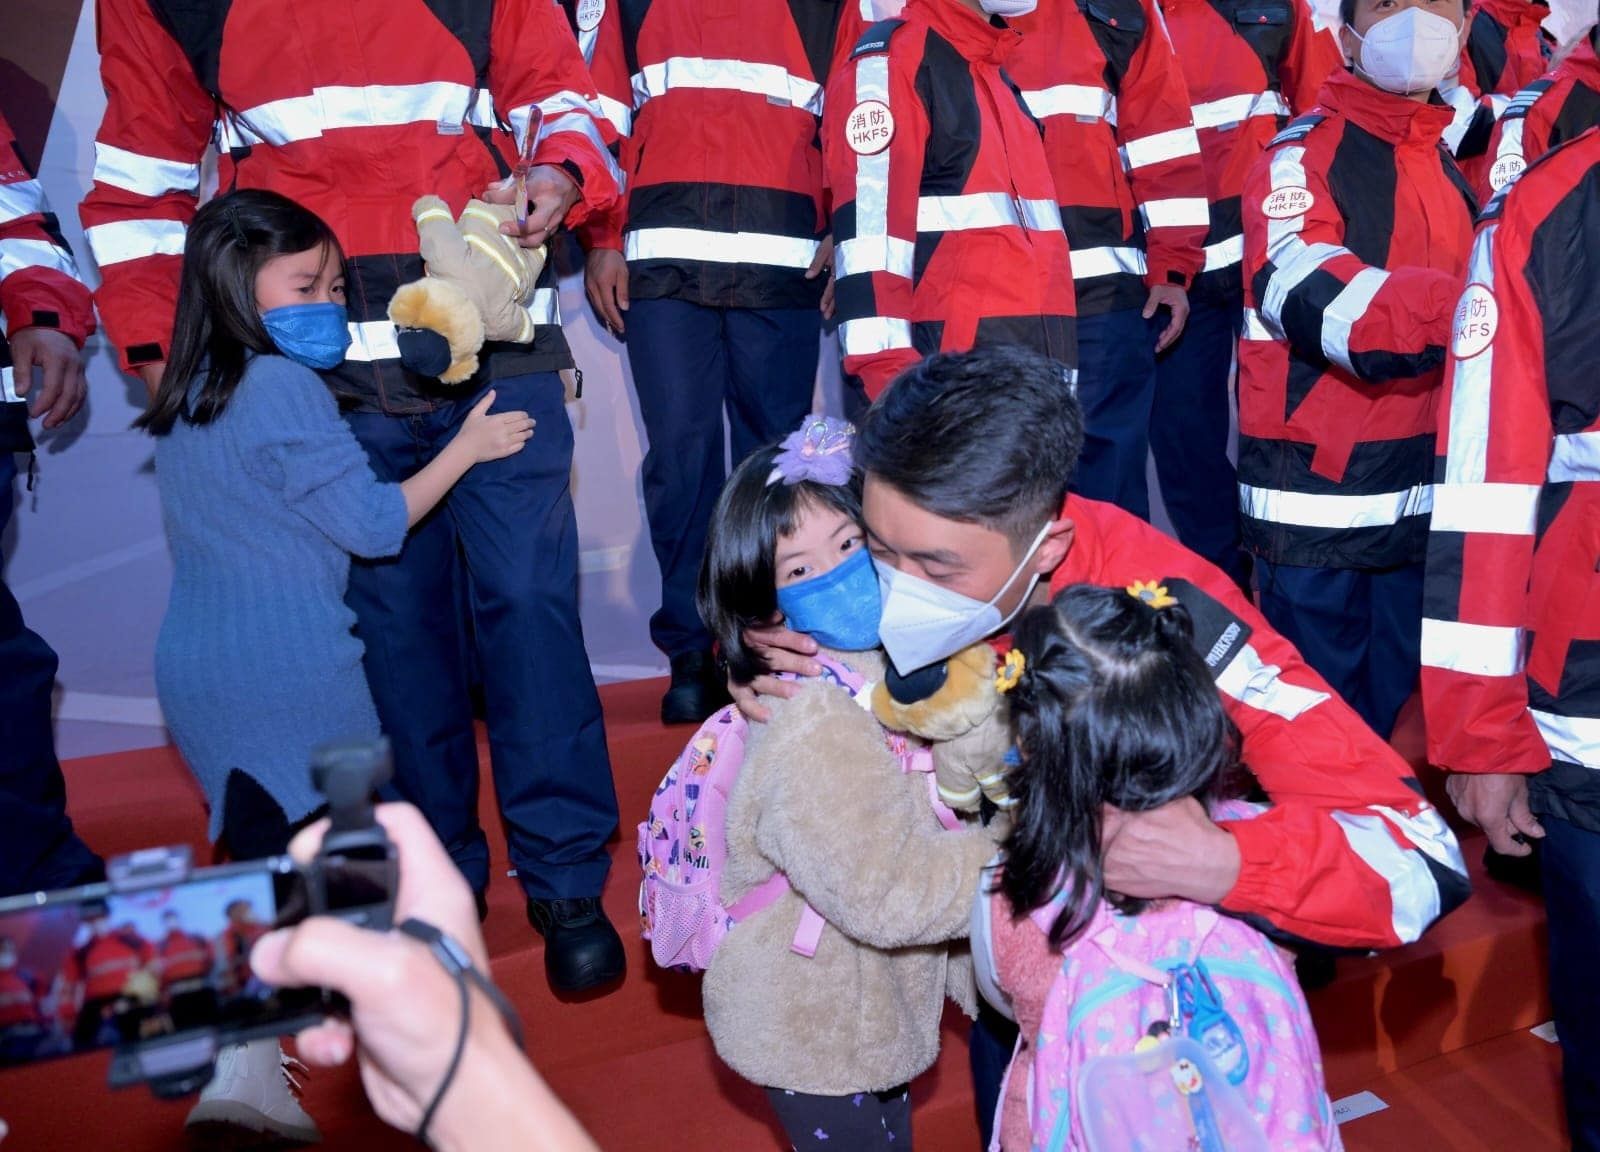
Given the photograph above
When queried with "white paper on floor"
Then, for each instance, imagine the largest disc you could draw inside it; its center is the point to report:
(1357, 1106)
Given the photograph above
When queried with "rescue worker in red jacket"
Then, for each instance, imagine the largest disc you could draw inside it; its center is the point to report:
(184, 956)
(1552, 110)
(1356, 230)
(104, 973)
(19, 999)
(27, 1030)
(186, 962)
(233, 946)
(48, 316)
(1250, 65)
(944, 210)
(1511, 641)
(1102, 81)
(1349, 854)
(1505, 50)
(714, 266)
(356, 108)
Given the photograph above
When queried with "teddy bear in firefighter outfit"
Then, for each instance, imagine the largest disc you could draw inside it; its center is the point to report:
(478, 285)
(958, 706)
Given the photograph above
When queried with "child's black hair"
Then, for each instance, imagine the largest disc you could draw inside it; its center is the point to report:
(218, 326)
(738, 577)
(1114, 707)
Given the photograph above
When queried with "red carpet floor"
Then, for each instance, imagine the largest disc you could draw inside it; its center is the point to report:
(1438, 1031)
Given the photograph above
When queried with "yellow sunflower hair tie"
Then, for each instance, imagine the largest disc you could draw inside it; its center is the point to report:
(1010, 671)
(1153, 594)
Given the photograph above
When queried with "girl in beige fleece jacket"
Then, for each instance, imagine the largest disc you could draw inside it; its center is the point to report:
(836, 1037)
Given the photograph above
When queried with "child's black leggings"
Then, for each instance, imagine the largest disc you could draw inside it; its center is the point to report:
(845, 1123)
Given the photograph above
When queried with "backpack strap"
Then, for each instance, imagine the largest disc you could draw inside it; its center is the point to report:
(806, 937)
(913, 756)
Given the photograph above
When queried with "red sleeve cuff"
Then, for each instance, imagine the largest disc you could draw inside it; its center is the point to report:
(1259, 848)
(602, 230)
(65, 306)
(598, 189)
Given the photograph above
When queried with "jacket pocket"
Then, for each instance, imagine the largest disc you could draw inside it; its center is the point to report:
(1119, 28)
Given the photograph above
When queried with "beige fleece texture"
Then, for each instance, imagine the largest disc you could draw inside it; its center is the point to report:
(820, 797)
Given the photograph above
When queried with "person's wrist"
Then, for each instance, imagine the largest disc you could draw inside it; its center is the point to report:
(1217, 869)
(490, 1104)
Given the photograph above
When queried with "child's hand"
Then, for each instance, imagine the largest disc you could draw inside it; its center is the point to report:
(487, 437)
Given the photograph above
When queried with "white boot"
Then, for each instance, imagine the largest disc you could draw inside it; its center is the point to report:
(252, 1099)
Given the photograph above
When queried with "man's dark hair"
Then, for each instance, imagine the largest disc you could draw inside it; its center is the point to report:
(988, 437)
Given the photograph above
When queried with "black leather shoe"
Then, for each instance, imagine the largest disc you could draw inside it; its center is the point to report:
(582, 951)
(698, 689)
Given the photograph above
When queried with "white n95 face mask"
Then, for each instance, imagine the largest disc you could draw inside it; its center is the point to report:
(1005, 9)
(923, 623)
(1410, 52)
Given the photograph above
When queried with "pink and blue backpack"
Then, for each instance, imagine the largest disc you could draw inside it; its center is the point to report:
(1176, 1030)
(683, 844)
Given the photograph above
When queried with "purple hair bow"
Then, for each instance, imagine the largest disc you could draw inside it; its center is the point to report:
(819, 452)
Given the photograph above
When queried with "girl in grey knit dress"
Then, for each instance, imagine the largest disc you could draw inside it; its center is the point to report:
(266, 495)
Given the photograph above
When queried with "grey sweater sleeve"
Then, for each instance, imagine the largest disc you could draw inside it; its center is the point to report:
(292, 439)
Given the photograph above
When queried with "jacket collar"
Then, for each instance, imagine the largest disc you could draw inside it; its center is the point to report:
(1387, 116)
(1584, 64)
(975, 37)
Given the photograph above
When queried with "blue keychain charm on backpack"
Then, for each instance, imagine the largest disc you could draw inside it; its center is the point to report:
(1209, 1025)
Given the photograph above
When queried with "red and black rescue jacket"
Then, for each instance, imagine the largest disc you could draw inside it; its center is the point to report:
(1550, 111)
(39, 285)
(1101, 77)
(353, 108)
(1511, 628)
(945, 217)
(1357, 225)
(718, 104)
(1250, 65)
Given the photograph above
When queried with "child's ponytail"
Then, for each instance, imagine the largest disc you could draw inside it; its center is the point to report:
(1113, 707)
(1059, 790)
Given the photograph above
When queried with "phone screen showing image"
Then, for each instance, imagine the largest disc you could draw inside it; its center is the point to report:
(99, 968)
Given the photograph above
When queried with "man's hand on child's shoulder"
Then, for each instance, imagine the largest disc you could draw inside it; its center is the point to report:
(783, 650)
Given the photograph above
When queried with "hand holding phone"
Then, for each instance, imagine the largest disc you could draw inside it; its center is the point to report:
(405, 1010)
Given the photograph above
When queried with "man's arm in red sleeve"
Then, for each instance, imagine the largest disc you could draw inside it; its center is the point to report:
(1318, 295)
(1349, 854)
(157, 124)
(1161, 152)
(534, 62)
(1313, 55)
(1495, 440)
(874, 133)
(39, 284)
(609, 67)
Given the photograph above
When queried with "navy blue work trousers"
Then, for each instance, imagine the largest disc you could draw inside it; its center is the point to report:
(494, 567)
(38, 848)
(689, 364)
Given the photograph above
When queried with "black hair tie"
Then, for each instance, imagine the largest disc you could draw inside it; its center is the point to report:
(455, 961)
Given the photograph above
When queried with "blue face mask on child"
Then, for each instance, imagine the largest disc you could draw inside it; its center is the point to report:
(840, 608)
(315, 335)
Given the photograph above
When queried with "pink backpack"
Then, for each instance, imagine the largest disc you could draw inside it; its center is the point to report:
(1177, 1030)
(683, 844)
